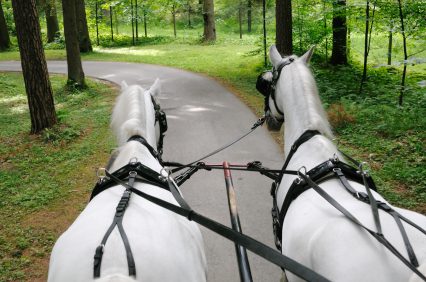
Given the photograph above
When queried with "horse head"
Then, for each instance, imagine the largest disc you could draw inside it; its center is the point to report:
(268, 81)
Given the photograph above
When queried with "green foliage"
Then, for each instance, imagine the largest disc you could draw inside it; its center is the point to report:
(59, 134)
(57, 44)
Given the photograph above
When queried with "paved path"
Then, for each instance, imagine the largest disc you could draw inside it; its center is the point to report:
(203, 116)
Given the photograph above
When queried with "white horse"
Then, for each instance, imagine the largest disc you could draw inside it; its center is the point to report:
(315, 233)
(165, 246)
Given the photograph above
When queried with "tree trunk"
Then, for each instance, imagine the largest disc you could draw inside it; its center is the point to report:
(367, 20)
(338, 53)
(133, 22)
(404, 40)
(144, 23)
(284, 22)
(75, 68)
(83, 32)
(34, 68)
(209, 22)
(96, 22)
(189, 14)
(265, 57)
(300, 27)
(137, 20)
(174, 19)
(390, 44)
(116, 22)
(325, 31)
(110, 23)
(249, 7)
(51, 20)
(4, 33)
(240, 20)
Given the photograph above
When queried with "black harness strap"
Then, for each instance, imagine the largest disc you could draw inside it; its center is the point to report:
(241, 239)
(308, 134)
(143, 141)
(145, 174)
(118, 221)
(385, 207)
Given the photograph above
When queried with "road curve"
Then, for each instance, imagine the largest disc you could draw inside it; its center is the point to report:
(203, 116)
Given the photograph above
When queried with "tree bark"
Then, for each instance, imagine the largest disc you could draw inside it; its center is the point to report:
(325, 31)
(240, 20)
(284, 26)
(34, 68)
(133, 21)
(110, 23)
(249, 20)
(83, 32)
(4, 33)
(390, 44)
(137, 20)
(265, 57)
(209, 22)
(338, 53)
(75, 68)
(96, 22)
(404, 40)
(174, 19)
(144, 23)
(367, 20)
(51, 20)
(189, 14)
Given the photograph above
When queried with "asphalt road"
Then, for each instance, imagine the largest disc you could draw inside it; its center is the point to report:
(203, 116)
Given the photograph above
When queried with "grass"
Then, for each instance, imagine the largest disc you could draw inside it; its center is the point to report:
(38, 171)
(46, 176)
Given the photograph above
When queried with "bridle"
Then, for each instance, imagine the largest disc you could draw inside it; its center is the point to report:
(160, 117)
(267, 87)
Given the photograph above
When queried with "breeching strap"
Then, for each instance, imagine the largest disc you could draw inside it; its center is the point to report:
(239, 238)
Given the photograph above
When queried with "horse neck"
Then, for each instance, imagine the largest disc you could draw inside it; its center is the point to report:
(134, 114)
(297, 95)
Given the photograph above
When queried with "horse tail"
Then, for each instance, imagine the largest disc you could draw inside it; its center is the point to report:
(116, 278)
(414, 277)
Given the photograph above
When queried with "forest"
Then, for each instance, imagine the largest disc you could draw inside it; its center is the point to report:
(369, 64)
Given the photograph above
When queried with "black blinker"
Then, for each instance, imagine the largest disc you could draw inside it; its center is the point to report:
(264, 83)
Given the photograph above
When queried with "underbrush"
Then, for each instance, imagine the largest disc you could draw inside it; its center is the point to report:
(373, 128)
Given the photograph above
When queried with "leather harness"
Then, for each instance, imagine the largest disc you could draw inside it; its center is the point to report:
(334, 168)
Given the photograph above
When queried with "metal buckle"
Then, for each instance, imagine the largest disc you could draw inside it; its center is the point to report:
(335, 158)
(299, 173)
(133, 173)
(361, 169)
(164, 175)
(101, 174)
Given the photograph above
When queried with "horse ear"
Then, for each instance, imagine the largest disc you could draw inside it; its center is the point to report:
(124, 85)
(308, 55)
(275, 56)
(155, 88)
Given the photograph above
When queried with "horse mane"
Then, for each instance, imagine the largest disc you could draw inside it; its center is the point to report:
(127, 117)
(315, 115)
